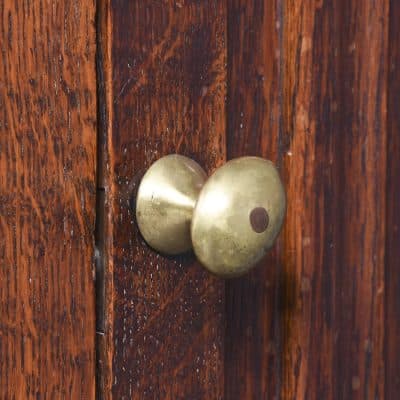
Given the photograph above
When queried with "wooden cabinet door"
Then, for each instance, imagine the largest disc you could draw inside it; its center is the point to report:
(93, 92)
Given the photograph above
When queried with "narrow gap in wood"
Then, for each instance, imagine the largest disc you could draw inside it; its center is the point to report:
(99, 286)
(99, 260)
(100, 227)
(100, 195)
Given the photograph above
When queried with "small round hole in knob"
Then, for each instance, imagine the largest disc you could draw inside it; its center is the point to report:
(259, 219)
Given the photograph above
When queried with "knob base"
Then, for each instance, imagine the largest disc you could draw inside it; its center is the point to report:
(165, 202)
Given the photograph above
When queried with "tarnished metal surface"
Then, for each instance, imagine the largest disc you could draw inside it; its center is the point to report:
(230, 221)
(165, 201)
(238, 215)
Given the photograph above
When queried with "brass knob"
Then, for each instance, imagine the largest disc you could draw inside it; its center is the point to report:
(230, 219)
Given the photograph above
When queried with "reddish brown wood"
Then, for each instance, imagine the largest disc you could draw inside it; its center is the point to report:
(312, 85)
(47, 199)
(306, 91)
(335, 136)
(252, 356)
(392, 277)
(165, 79)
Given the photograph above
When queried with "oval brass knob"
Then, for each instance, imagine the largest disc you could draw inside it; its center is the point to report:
(230, 219)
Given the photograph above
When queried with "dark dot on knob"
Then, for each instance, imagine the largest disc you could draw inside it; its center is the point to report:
(259, 219)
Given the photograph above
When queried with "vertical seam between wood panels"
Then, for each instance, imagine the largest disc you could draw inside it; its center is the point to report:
(104, 315)
(100, 201)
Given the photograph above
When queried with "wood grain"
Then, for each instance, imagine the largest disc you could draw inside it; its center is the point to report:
(333, 254)
(392, 276)
(252, 355)
(165, 77)
(47, 199)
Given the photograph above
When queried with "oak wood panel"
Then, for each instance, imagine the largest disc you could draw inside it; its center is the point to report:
(253, 340)
(165, 78)
(334, 136)
(47, 199)
(392, 277)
